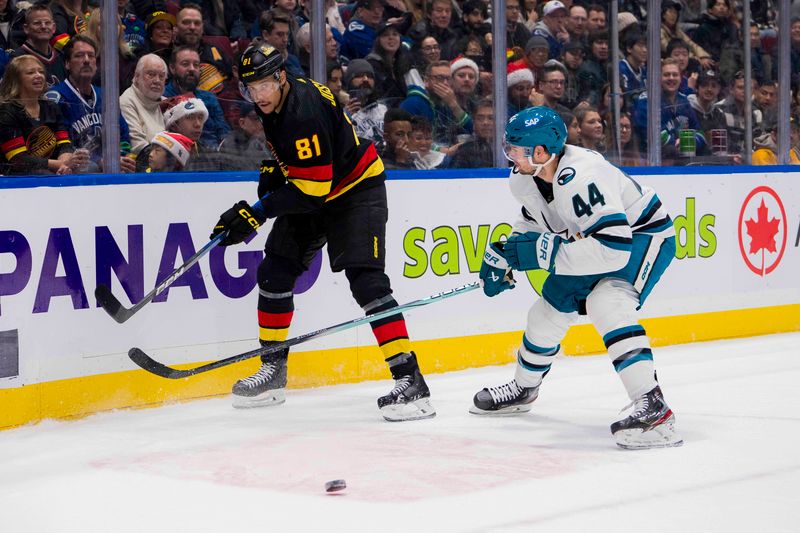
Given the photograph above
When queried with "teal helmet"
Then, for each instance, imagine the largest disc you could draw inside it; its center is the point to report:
(536, 126)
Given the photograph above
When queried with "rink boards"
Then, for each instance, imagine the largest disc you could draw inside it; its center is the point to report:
(735, 274)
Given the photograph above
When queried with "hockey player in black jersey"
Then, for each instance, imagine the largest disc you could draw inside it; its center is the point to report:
(328, 186)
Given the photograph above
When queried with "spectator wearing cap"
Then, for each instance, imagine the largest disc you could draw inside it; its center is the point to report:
(676, 113)
(168, 152)
(478, 152)
(766, 152)
(465, 74)
(716, 31)
(437, 24)
(139, 104)
(391, 63)
(184, 115)
(438, 103)
(185, 70)
(592, 74)
(245, 145)
(553, 26)
(537, 52)
(365, 111)
(670, 15)
(574, 53)
(633, 69)
(517, 35)
(361, 32)
(520, 85)
(160, 29)
(576, 24)
(703, 101)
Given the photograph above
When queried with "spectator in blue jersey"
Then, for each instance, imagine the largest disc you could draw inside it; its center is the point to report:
(39, 28)
(676, 113)
(81, 105)
(438, 102)
(633, 69)
(275, 32)
(553, 27)
(361, 32)
(185, 70)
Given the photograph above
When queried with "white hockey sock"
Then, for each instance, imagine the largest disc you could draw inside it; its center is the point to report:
(533, 362)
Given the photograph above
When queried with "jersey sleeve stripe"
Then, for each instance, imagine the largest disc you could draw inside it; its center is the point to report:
(614, 241)
(649, 211)
(608, 221)
(318, 173)
(656, 226)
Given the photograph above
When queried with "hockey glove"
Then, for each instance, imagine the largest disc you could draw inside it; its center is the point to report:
(271, 177)
(239, 221)
(532, 250)
(494, 272)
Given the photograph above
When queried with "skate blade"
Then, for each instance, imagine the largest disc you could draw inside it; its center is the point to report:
(505, 411)
(403, 412)
(661, 436)
(265, 399)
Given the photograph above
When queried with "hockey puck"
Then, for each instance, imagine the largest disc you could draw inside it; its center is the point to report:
(335, 486)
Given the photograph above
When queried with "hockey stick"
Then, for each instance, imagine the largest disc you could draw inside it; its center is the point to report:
(154, 367)
(120, 313)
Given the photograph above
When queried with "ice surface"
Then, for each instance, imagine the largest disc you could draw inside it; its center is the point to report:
(203, 466)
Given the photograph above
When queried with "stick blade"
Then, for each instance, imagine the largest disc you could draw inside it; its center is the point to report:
(111, 304)
(146, 362)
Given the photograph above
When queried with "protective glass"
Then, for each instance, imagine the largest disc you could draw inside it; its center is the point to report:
(266, 88)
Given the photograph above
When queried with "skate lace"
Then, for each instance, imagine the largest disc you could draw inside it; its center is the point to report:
(401, 385)
(263, 375)
(640, 406)
(506, 392)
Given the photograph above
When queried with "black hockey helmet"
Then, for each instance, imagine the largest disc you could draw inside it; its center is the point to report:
(259, 61)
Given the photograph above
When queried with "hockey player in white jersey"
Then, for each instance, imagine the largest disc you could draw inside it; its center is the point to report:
(606, 241)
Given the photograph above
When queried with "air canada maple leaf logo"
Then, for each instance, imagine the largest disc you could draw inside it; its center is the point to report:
(762, 230)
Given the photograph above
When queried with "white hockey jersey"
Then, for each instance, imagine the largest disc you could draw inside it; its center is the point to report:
(595, 206)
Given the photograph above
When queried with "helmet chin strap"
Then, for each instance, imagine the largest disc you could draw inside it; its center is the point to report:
(539, 166)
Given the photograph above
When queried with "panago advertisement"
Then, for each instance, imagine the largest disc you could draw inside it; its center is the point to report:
(735, 274)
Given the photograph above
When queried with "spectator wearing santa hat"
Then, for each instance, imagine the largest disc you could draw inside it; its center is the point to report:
(520, 84)
(465, 74)
(437, 102)
(169, 152)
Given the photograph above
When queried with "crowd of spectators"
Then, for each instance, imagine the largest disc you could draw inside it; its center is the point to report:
(415, 77)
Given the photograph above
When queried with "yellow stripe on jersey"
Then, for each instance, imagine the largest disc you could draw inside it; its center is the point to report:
(11, 153)
(312, 188)
(373, 170)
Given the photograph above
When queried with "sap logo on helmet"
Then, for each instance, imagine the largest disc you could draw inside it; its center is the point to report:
(566, 175)
(532, 121)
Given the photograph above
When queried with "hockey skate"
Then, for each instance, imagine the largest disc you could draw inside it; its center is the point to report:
(408, 400)
(508, 399)
(265, 387)
(650, 424)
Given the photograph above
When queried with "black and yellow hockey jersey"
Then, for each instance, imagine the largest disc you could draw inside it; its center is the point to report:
(317, 149)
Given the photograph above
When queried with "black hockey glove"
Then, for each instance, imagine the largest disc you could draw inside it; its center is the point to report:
(271, 177)
(239, 221)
